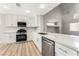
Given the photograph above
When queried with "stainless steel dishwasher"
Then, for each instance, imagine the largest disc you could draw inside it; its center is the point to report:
(48, 47)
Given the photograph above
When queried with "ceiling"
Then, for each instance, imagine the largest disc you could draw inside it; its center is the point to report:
(27, 8)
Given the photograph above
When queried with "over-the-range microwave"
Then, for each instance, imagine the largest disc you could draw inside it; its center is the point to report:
(21, 24)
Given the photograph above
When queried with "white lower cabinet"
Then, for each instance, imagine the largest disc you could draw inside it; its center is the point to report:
(13, 37)
(61, 50)
(8, 38)
(39, 43)
(28, 36)
(37, 40)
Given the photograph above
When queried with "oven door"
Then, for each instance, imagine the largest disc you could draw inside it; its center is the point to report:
(21, 37)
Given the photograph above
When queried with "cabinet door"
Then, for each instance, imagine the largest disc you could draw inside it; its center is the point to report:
(11, 20)
(39, 42)
(32, 21)
(9, 38)
(8, 20)
(21, 18)
(36, 21)
(13, 37)
(28, 21)
(62, 50)
(6, 38)
(28, 36)
(14, 21)
(0, 19)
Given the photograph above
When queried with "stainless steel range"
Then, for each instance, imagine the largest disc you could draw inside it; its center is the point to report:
(21, 33)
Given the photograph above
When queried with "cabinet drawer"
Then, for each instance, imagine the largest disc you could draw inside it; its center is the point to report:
(64, 50)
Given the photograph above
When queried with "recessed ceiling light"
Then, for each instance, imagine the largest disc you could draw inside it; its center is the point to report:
(27, 11)
(42, 6)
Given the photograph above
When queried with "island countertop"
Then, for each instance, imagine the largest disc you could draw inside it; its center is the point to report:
(67, 40)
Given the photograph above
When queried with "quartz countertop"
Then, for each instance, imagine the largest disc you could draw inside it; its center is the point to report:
(66, 40)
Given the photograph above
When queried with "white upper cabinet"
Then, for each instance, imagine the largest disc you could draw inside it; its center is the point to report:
(0, 19)
(21, 18)
(14, 21)
(32, 21)
(10, 20)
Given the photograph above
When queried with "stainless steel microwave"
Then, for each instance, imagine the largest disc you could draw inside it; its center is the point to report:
(21, 24)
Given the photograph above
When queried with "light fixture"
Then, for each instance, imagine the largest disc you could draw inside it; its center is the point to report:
(42, 6)
(27, 11)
